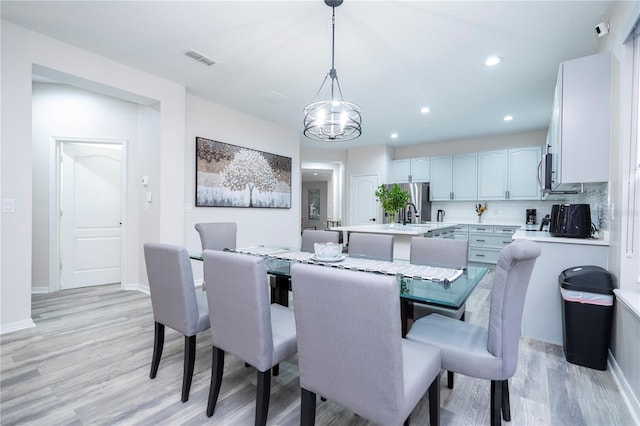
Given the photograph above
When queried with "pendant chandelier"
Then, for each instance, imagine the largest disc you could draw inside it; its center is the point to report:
(333, 119)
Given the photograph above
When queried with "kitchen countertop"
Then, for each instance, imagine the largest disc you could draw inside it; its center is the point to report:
(397, 229)
(545, 237)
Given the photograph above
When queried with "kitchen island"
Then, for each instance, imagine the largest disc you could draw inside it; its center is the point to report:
(402, 234)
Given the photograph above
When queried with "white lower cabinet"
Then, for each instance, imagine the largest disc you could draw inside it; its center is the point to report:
(486, 241)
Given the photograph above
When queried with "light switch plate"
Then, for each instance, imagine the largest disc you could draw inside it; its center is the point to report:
(8, 205)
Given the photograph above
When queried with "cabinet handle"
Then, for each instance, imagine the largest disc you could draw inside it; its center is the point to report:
(479, 255)
(507, 194)
(481, 241)
(506, 242)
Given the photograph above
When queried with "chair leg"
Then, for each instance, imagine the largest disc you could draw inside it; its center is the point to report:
(189, 362)
(434, 402)
(158, 344)
(276, 370)
(307, 408)
(217, 367)
(506, 406)
(262, 397)
(496, 402)
(450, 379)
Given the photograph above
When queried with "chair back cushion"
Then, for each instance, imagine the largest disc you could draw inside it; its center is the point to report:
(217, 235)
(439, 251)
(310, 237)
(349, 338)
(239, 306)
(173, 296)
(373, 246)
(510, 282)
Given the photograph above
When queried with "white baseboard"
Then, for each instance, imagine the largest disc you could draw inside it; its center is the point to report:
(137, 287)
(630, 399)
(39, 290)
(15, 326)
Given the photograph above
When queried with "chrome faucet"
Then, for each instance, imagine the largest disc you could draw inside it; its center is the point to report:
(406, 213)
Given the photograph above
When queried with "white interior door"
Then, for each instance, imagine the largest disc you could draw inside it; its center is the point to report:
(363, 207)
(90, 217)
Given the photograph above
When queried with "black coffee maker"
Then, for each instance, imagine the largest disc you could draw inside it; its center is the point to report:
(531, 219)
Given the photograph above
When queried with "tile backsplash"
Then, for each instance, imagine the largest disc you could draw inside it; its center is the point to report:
(595, 194)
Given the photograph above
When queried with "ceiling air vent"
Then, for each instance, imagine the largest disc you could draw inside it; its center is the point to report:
(199, 57)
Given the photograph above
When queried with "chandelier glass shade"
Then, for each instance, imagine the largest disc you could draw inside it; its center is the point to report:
(334, 119)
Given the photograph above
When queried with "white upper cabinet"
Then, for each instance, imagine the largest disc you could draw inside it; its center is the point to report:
(465, 177)
(580, 129)
(523, 179)
(454, 177)
(420, 169)
(410, 170)
(492, 175)
(441, 178)
(400, 171)
(509, 174)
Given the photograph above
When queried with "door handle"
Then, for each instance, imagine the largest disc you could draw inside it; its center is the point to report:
(373, 219)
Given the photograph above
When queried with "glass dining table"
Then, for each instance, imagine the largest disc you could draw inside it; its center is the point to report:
(429, 284)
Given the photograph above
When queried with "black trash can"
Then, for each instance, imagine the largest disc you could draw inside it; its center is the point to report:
(587, 313)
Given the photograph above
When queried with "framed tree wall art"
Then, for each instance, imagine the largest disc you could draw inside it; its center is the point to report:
(233, 176)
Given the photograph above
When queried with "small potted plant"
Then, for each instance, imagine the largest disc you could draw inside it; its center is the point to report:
(392, 199)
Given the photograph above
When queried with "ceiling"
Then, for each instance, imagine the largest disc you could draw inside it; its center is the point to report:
(392, 57)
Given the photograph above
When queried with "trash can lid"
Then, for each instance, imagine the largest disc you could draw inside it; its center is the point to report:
(588, 278)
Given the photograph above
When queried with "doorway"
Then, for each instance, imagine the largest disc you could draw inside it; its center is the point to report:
(363, 208)
(89, 213)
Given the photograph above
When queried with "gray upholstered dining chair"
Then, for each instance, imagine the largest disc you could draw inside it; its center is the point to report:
(310, 237)
(444, 252)
(175, 303)
(374, 246)
(356, 356)
(244, 323)
(487, 353)
(217, 235)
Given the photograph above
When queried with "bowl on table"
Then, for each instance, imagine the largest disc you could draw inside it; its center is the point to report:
(327, 250)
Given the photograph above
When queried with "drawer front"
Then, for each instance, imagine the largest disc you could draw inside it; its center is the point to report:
(488, 229)
(508, 230)
(445, 233)
(461, 236)
(490, 240)
(461, 228)
(483, 255)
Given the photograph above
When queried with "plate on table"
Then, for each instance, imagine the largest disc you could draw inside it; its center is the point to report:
(328, 259)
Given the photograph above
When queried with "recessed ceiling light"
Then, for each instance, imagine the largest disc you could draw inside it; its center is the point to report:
(508, 117)
(394, 136)
(492, 61)
(425, 110)
(315, 174)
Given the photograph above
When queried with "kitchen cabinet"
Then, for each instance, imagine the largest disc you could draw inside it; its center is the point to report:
(410, 170)
(486, 241)
(579, 135)
(509, 174)
(542, 312)
(454, 177)
(461, 232)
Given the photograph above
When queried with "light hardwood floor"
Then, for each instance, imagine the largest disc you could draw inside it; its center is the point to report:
(87, 363)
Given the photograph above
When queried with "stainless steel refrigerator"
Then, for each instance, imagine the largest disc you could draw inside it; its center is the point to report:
(419, 196)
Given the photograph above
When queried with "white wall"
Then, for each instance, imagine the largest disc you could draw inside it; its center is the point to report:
(21, 50)
(625, 221)
(459, 146)
(66, 112)
(280, 227)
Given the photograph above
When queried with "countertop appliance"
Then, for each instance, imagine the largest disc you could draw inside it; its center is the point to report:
(531, 219)
(419, 196)
(570, 221)
(440, 216)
